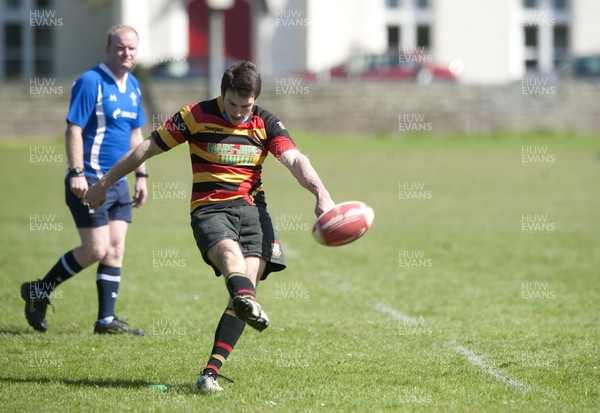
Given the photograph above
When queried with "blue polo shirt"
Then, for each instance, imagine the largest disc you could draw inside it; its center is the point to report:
(107, 111)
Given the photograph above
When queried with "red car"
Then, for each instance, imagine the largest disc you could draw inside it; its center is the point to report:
(389, 66)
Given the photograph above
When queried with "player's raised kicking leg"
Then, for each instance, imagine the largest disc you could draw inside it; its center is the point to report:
(242, 308)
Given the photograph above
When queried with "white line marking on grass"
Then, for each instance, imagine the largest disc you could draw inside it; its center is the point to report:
(396, 315)
(477, 361)
(473, 358)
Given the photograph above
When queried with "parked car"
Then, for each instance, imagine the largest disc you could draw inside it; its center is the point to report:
(174, 69)
(587, 67)
(389, 66)
(184, 68)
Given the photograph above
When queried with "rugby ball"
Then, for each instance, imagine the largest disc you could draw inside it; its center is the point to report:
(344, 223)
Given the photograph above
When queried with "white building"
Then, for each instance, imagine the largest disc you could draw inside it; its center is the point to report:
(495, 40)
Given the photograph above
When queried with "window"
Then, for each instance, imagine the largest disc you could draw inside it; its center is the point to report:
(12, 37)
(393, 35)
(531, 47)
(43, 51)
(529, 4)
(423, 39)
(561, 44)
(530, 65)
(13, 4)
(560, 4)
(392, 4)
(561, 36)
(13, 43)
(531, 36)
(43, 67)
(422, 4)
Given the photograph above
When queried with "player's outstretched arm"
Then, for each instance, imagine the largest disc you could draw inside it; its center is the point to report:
(140, 189)
(96, 195)
(303, 171)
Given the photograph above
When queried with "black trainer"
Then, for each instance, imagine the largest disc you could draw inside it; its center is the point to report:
(36, 303)
(250, 312)
(116, 327)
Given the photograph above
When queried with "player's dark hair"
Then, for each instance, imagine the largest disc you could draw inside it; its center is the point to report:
(115, 29)
(243, 79)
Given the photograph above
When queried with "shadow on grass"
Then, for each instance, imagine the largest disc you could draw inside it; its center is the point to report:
(178, 389)
(28, 331)
(17, 331)
(94, 383)
(60, 330)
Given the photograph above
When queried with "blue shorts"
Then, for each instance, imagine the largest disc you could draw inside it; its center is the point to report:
(116, 208)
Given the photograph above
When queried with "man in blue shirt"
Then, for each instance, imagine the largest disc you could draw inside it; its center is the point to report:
(104, 122)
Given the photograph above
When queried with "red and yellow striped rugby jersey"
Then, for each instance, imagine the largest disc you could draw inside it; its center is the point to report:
(226, 160)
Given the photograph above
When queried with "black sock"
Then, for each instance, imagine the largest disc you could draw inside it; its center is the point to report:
(240, 284)
(108, 280)
(228, 332)
(66, 267)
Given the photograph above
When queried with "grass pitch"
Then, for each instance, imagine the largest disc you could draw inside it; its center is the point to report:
(476, 289)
